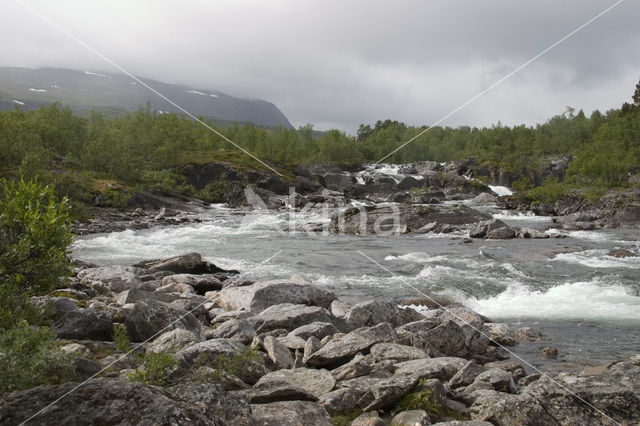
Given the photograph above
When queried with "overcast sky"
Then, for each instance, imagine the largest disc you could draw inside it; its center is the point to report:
(337, 64)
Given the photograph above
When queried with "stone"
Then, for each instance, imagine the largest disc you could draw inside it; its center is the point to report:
(278, 353)
(339, 401)
(135, 295)
(148, 318)
(190, 263)
(340, 350)
(277, 392)
(411, 418)
(208, 351)
(466, 375)
(85, 368)
(443, 368)
(360, 365)
(549, 352)
(387, 392)
(503, 409)
(480, 230)
(463, 423)
(315, 329)
(111, 278)
(528, 334)
(399, 353)
(76, 349)
(504, 233)
(448, 338)
(339, 308)
(261, 295)
(315, 382)
(374, 312)
(229, 407)
(173, 341)
(311, 346)
(293, 342)
(90, 324)
(288, 316)
(499, 333)
(290, 413)
(368, 419)
(200, 283)
(238, 329)
(103, 401)
(499, 379)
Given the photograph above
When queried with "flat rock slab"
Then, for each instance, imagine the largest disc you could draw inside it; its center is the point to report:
(442, 368)
(260, 296)
(315, 382)
(290, 413)
(382, 351)
(288, 316)
(340, 350)
(277, 392)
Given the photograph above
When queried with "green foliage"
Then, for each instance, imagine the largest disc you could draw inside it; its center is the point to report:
(34, 236)
(156, 368)
(30, 356)
(229, 364)
(549, 192)
(345, 419)
(522, 184)
(422, 399)
(213, 192)
(123, 344)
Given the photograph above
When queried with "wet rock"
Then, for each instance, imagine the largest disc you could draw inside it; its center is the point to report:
(190, 263)
(399, 353)
(442, 368)
(480, 230)
(373, 312)
(339, 350)
(620, 253)
(278, 353)
(91, 324)
(549, 352)
(289, 317)
(262, 295)
(146, 319)
(411, 418)
(504, 233)
(96, 401)
(528, 334)
(290, 413)
(315, 382)
(500, 333)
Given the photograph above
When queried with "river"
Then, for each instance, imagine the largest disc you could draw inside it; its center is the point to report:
(570, 288)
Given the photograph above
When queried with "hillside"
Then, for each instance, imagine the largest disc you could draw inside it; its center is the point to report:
(114, 93)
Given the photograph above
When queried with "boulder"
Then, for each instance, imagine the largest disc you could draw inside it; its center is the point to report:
(190, 263)
(200, 283)
(173, 341)
(293, 342)
(277, 392)
(238, 329)
(399, 353)
(503, 409)
(278, 353)
(503, 233)
(448, 338)
(528, 334)
(411, 418)
(315, 329)
(290, 413)
(339, 401)
(340, 350)
(90, 324)
(466, 375)
(373, 312)
(315, 382)
(134, 295)
(146, 319)
(387, 392)
(311, 346)
(208, 351)
(360, 365)
(442, 368)
(288, 316)
(368, 419)
(230, 407)
(499, 379)
(103, 401)
(261, 295)
(111, 278)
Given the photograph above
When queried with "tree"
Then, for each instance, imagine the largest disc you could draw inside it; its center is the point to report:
(636, 95)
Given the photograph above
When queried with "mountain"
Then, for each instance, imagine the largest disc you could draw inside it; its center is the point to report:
(114, 93)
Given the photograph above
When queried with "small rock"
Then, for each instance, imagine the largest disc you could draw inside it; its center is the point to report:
(411, 418)
(278, 353)
(549, 352)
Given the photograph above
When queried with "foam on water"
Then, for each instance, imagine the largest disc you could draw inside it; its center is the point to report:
(529, 217)
(589, 300)
(598, 259)
(501, 190)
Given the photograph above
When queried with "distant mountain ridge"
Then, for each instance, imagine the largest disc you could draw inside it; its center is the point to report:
(117, 93)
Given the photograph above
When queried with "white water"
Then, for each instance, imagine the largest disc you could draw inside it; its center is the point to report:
(501, 190)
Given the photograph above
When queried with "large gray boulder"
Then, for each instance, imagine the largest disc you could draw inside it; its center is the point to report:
(90, 324)
(238, 329)
(448, 338)
(190, 263)
(442, 368)
(148, 318)
(229, 407)
(200, 283)
(340, 350)
(260, 296)
(290, 413)
(387, 392)
(103, 401)
(315, 382)
(173, 341)
(289, 316)
(110, 278)
(208, 351)
(315, 329)
(481, 229)
(373, 312)
(503, 409)
(399, 353)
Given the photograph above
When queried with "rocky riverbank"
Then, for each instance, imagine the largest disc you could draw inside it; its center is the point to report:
(287, 353)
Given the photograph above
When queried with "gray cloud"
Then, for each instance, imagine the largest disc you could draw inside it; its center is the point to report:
(339, 64)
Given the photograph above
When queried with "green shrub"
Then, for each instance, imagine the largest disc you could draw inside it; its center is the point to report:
(123, 344)
(155, 368)
(213, 192)
(34, 236)
(30, 356)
